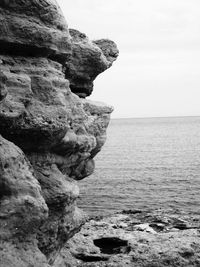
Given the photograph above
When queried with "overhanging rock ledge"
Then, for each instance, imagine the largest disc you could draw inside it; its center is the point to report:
(49, 132)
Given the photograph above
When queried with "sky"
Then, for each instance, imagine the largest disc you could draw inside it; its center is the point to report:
(157, 73)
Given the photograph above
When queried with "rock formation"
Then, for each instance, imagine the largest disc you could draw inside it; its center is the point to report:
(48, 134)
(83, 67)
(159, 238)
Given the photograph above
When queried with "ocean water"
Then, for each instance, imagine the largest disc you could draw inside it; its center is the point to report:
(146, 164)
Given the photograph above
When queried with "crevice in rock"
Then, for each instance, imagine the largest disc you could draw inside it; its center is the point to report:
(4, 190)
(112, 245)
(17, 49)
(158, 227)
(90, 257)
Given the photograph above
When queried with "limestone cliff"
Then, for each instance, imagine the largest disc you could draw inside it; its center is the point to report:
(49, 132)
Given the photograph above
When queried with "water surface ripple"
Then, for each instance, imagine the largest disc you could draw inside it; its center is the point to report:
(145, 164)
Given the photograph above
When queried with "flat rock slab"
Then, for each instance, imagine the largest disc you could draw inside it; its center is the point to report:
(138, 239)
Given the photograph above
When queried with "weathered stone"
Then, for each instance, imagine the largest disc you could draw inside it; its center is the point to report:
(87, 61)
(22, 209)
(3, 89)
(137, 240)
(33, 28)
(58, 132)
(108, 48)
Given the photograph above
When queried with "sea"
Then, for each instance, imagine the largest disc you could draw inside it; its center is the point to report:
(145, 164)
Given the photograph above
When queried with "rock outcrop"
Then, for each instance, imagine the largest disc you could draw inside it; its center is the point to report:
(34, 28)
(48, 134)
(137, 239)
(83, 67)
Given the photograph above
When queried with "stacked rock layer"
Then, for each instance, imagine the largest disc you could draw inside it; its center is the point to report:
(49, 132)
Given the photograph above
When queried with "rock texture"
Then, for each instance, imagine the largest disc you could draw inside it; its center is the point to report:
(137, 239)
(89, 58)
(48, 135)
(34, 28)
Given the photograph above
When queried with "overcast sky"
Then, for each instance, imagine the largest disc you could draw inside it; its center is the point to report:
(158, 69)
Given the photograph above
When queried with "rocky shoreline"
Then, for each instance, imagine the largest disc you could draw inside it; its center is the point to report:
(137, 238)
(49, 136)
(49, 132)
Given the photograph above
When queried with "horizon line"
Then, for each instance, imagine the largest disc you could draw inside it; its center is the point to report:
(156, 117)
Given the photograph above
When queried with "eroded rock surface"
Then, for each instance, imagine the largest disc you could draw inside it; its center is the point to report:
(48, 135)
(137, 239)
(34, 28)
(83, 68)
